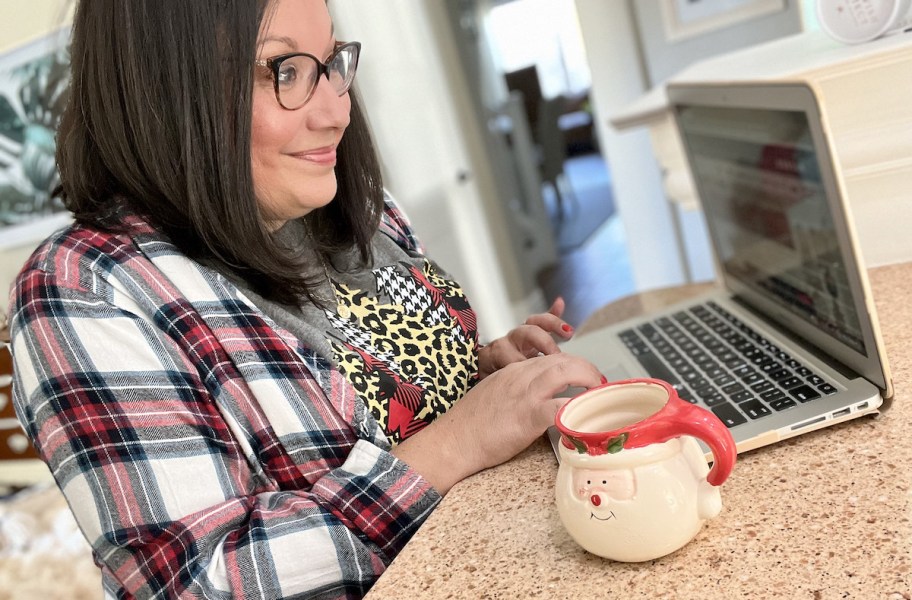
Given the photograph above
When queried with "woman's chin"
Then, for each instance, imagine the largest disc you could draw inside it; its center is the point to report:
(299, 205)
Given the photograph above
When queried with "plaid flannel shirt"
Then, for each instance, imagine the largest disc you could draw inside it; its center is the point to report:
(204, 451)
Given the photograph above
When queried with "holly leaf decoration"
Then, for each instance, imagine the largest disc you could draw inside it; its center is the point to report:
(580, 446)
(616, 444)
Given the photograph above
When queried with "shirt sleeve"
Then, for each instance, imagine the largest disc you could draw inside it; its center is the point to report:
(162, 479)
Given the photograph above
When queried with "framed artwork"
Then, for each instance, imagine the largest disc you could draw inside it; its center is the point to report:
(674, 34)
(685, 19)
(33, 83)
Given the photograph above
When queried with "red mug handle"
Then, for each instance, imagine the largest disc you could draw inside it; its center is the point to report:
(680, 417)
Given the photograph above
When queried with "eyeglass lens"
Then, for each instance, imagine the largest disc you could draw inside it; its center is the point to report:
(297, 76)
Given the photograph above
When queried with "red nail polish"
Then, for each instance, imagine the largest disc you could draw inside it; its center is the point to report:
(604, 379)
(566, 327)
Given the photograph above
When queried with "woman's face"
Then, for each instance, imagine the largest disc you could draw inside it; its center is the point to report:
(293, 152)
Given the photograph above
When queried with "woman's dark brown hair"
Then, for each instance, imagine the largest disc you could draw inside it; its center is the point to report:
(159, 119)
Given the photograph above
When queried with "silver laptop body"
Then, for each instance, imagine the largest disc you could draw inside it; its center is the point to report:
(789, 270)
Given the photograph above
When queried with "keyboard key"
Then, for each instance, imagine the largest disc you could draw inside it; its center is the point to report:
(712, 369)
(732, 388)
(758, 358)
(752, 378)
(742, 371)
(782, 404)
(755, 409)
(742, 396)
(772, 395)
(714, 399)
(769, 367)
(699, 382)
(827, 389)
(729, 415)
(762, 386)
(727, 356)
(629, 336)
(804, 393)
(685, 393)
(791, 382)
(779, 374)
(735, 363)
(723, 379)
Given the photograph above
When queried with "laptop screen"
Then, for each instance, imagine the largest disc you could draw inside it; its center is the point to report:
(767, 210)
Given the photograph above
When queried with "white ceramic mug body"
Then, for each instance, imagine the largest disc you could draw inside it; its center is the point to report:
(632, 482)
(638, 504)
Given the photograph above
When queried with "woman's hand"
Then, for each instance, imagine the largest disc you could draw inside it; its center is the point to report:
(496, 419)
(526, 341)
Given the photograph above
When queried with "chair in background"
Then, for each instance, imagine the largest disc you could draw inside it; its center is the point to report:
(552, 149)
(561, 127)
(526, 82)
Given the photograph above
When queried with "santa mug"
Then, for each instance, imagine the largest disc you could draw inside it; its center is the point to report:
(633, 482)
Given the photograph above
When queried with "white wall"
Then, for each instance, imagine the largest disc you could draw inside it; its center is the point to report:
(618, 79)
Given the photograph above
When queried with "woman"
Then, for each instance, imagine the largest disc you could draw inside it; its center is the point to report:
(243, 373)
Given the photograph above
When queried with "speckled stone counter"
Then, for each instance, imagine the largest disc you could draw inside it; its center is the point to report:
(825, 515)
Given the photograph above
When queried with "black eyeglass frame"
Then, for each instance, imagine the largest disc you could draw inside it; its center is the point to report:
(273, 63)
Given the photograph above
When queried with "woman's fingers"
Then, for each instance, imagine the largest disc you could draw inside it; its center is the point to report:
(532, 340)
(551, 320)
(557, 372)
(502, 354)
(557, 307)
(551, 324)
(555, 379)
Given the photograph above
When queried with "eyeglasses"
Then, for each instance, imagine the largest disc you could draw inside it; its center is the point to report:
(295, 76)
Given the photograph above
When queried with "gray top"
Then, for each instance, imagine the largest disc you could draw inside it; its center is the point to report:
(400, 331)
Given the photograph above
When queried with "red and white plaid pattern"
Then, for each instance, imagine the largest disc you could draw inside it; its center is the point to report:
(204, 451)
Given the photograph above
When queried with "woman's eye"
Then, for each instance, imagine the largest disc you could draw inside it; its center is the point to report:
(288, 75)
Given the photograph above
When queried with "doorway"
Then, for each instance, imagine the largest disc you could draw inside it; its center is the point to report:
(526, 62)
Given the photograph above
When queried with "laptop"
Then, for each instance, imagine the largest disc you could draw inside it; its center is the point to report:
(788, 341)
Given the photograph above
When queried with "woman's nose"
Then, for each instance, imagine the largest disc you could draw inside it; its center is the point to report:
(328, 108)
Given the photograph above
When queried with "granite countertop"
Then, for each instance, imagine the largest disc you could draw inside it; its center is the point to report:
(825, 515)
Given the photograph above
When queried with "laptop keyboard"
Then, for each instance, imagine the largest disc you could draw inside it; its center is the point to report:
(712, 357)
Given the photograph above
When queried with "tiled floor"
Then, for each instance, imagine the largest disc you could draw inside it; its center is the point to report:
(592, 275)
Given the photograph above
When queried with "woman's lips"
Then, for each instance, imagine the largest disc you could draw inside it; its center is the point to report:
(322, 156)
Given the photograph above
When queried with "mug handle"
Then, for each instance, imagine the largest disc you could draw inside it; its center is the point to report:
(683, 418)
